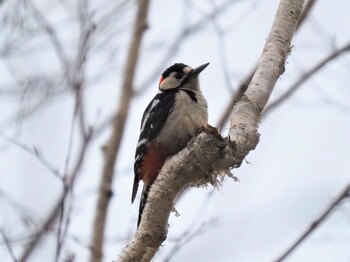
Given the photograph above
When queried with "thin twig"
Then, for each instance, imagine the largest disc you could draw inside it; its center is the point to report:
(8, 245)
(345, 193)
(306, 76)
(188, 235)
(36, 153)
(22, 212)
(41, 19)
(77, 86)
(222, 54)
(52, 216)
(246, 81)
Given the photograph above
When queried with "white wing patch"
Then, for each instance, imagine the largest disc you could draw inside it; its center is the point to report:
(142, 141)
(155, 102)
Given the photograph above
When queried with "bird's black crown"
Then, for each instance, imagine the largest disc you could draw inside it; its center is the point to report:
(178, 67)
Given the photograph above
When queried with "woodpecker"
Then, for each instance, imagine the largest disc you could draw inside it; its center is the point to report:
(170, 120)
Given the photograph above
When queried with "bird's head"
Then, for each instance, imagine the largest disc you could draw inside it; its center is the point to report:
(180, 76)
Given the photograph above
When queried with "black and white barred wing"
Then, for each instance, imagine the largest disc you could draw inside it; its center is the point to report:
(152, 123)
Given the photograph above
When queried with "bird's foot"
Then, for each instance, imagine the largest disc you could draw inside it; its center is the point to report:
(207, 129)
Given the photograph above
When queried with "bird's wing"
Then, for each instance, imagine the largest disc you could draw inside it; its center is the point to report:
(152, 123)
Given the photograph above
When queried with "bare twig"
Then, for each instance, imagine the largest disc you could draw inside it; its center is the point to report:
(306, 76)
(222, 55)
(306, 10)
(51, 218)
(240, 90)
(8, 245)
(66, 188)
(36, 153)
(111, 148)
(345, 193)
(244, 84)
(77, 86)
(188, 235)
(41, 19)
(22, 212)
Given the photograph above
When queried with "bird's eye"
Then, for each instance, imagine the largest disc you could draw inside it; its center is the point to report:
(178, 76)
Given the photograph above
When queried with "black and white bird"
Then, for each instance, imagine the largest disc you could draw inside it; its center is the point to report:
(170, 120)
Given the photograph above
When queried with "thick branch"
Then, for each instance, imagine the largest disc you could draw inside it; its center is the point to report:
(209, 155)
(113, 143)
(193, 165)
(246, 113)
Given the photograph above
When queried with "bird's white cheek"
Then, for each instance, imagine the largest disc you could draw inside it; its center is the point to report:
(168, 83)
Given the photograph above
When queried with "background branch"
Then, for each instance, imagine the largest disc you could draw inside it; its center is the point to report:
(306, 76)
(8, 243)
(51, 218)
(244, 84)
(344, 194)
(112, 146)
(188, 235)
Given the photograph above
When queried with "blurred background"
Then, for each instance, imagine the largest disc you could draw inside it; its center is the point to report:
(62, 67)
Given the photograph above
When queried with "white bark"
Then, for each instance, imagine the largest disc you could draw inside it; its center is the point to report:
(246, 113)
(208, 155)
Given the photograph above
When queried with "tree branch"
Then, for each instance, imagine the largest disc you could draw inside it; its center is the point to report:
(111, 147)
(37, 154)
(244, 84)
(208, 155)
(44, 23)
(306, 76)
(51, 218)
(8, 245)
(77, 83)
(345, 193)
(188, 235)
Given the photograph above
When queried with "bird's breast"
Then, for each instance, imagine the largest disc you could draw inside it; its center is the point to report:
(185, 118)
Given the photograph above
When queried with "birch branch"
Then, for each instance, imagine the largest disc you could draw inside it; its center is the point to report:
(244, 84)
(111, 147)
(209, 155)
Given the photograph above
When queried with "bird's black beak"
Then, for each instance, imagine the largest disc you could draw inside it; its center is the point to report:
(194, 73)
(198, 70)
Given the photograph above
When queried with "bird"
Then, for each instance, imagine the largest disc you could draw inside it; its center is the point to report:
(170, 120)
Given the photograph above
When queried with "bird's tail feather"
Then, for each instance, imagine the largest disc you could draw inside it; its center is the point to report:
(143, 200)
(134, 188)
